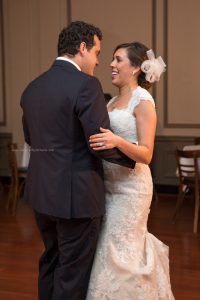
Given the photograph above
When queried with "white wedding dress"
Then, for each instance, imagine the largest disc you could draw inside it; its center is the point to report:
(130, 263)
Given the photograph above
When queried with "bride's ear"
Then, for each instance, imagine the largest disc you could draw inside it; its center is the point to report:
(136, 70)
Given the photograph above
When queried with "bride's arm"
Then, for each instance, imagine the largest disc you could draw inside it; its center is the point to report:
(146, 125)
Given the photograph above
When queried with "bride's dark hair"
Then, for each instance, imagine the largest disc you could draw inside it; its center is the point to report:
(137, 54)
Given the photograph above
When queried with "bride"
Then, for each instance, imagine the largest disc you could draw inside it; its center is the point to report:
(130, 262)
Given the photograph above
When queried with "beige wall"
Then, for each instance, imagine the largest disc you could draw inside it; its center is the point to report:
(177, 34)
(31, 28)
(119, 22)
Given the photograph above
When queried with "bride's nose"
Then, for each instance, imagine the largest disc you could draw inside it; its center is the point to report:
(112, 64)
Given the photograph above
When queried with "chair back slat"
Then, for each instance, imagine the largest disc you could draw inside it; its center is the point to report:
(188, 162)
(188, 166)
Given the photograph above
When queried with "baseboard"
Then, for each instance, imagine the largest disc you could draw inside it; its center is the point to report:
(167, 189)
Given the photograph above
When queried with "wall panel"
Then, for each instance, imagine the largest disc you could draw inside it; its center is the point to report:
(125, 21)
(183, 48)
(2, 70)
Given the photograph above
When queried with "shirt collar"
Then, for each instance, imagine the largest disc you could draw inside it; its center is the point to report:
(69, 60)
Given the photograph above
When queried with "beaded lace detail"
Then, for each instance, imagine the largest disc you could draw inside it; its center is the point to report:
(130, 262)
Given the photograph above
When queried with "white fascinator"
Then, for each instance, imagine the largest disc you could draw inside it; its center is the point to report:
(153, 67)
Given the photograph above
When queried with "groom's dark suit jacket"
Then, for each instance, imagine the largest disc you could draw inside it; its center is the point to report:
(61, 109)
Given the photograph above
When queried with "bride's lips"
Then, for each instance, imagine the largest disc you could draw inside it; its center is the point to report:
(114, 74)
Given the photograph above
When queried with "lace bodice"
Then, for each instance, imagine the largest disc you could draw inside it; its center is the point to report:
(123, 122)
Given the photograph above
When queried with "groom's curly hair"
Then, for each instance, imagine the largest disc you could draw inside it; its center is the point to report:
(73, 35)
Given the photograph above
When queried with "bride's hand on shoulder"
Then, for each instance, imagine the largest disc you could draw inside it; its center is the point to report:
(104, 140)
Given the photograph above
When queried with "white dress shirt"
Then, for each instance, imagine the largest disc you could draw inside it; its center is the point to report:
(69, 60)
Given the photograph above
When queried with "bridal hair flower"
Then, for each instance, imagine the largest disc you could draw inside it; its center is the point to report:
(153, 67)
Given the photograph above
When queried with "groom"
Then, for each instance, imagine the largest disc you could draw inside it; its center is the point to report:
(61, 109)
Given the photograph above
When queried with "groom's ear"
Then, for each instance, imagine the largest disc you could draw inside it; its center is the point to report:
(82, 48)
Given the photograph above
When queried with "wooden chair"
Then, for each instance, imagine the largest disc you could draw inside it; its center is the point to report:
(189, 178)
(197, 140)
(17, 179)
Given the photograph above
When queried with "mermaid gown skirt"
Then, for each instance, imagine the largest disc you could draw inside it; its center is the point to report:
(130, 262)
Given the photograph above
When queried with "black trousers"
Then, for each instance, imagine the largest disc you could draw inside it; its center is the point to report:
(65, 266)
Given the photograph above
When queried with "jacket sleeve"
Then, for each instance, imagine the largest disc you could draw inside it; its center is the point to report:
(92, 113)
(25, 127)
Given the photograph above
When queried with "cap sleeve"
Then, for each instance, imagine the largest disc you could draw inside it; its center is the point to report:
(111, 101)
(139, 95)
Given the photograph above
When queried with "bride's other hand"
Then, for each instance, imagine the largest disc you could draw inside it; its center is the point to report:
(104, 140)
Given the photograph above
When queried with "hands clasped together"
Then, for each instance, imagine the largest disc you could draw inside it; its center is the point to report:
(104, 140)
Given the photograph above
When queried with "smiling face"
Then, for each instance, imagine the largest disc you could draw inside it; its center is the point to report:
(122, 71)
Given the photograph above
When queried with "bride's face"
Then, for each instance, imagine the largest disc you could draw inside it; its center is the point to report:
(122, 71)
